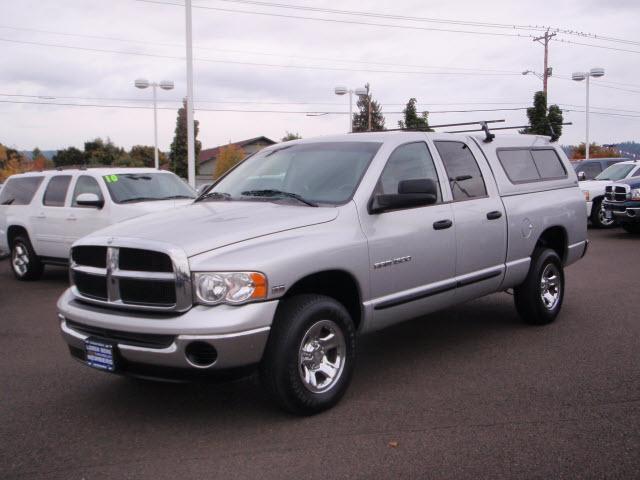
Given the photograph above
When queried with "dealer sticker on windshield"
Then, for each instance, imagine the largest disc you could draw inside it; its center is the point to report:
(110, 178)
(100, 354)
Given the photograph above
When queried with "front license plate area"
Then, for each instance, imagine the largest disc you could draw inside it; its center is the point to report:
(100, 354)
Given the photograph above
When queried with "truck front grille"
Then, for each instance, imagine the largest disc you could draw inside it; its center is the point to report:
(616, 193)
(132, 278)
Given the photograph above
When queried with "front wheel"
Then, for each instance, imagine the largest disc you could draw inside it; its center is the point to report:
(631, 227)
(26, 265)
(539, 298)
(310, 355)
(598, 216)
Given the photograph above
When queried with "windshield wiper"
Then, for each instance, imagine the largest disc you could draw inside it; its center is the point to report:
(173, 197)
(278, 193)
(139, 199)
(214, 195)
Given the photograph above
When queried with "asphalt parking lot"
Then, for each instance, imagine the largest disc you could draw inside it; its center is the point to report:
(470, 392)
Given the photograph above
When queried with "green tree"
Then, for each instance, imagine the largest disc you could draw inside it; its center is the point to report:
(413, 121)
(595, 151)
(178, 152)
(143, 156)
(543, 121)
(291, 136)
(99, 152)
(361, 118)
(69, 157)
(227, 158)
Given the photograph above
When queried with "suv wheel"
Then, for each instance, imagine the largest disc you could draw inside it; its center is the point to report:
(24, 262)
(631, 227)
(598, 218)
(539, 298)
(310, 355)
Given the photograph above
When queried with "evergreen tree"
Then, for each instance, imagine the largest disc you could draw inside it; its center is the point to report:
(411, 119)
(291, 136)
(543, 121)
(178, 152)
(69, 157)
(361, 119)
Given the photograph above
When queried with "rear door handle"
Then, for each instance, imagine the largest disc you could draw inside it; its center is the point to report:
(442, 224)
(41, 215)
(72, 217)
(494, 215)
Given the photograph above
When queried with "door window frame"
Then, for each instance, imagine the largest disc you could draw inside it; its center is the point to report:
(437, 170)
(65, 202)
(484, 182)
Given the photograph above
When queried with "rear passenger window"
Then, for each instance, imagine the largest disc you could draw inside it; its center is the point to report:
(464, 174)
(56, 191)
(407, 162)
(531, 165)
(19, 191)
(548, 164)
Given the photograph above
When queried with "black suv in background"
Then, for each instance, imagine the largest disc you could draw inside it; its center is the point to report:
(622, 202)
(590, 169)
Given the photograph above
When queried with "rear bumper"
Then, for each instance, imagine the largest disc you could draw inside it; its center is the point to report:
(238, 335)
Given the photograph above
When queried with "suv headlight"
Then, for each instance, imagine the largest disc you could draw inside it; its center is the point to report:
(212, 288)
(635, 194)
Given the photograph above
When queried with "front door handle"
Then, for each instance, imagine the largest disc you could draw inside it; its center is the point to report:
(442, 224)
(72, 217)
(494, 215)
(41, 215)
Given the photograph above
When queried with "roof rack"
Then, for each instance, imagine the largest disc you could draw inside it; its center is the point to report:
(484, 127)
(551, 131)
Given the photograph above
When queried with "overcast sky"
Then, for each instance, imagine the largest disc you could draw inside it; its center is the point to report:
(397, 62)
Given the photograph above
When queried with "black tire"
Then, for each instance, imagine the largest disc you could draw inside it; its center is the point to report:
(281, 369)
(528, 296)
(632, 228)
(597, 216)
(25, 264)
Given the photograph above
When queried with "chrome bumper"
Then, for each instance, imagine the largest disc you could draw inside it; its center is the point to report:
(628, 213)
(238, 334)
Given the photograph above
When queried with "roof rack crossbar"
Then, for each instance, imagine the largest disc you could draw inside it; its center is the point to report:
(479, 122)
(499, 128)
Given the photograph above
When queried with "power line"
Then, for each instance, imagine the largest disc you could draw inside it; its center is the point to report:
(335, 20)
(249, 52)
(255, 64)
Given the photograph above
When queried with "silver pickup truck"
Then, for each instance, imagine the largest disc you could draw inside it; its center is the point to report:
(304, 246)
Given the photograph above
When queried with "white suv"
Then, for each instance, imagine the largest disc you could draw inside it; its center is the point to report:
(593, 190)
(43, 213)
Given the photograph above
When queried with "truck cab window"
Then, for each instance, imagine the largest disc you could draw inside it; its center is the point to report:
(407, 162)
(464, 173)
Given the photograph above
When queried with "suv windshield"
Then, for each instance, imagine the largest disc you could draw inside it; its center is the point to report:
(615, 172)
(308, 173)
(147, 186)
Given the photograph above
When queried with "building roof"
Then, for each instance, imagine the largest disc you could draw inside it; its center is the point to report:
(209, 153)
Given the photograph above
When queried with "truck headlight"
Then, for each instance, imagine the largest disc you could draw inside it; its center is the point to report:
(635, 194)
(212, 288)
(586, 194)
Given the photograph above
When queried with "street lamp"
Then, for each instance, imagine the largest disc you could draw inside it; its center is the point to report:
(143, 83)
(531, 72)
(595, 72)
(340, 90)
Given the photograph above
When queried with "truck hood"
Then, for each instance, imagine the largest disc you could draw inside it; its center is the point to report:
(633, 182)
(205, 226)
(594, 186)
(125, 211)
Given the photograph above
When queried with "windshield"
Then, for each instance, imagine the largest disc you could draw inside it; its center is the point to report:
(615, 172)
(310, 173)
(147, 186)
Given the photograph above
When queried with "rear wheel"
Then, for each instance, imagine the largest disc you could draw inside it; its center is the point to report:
(309, 358)
(632, 227)
(24, 262)
(539, 298)
(598, 217)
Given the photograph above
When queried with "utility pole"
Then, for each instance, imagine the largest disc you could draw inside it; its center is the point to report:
(191, 144)
(369, 108)
(544, 40)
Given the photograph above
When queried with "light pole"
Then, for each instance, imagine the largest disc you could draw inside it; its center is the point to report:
(342, 91)
(595, 72)
(191, 141)
(143, 83)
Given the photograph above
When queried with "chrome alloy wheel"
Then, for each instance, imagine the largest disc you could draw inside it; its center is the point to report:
(20, 259)
(602, 217)
(321, 356)
(550, 286)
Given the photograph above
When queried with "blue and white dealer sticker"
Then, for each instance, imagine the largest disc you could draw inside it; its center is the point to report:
(100, 354)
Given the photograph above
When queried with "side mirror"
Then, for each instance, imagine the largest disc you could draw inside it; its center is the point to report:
(582, 176)
(89, 200)
(411, 193)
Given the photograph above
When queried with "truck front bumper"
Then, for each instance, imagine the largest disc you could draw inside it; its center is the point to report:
(623, 213)
(163, 346)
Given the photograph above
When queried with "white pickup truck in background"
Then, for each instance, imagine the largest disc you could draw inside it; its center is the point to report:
(43, 213)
